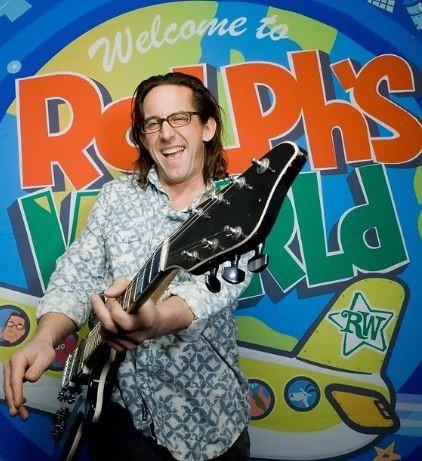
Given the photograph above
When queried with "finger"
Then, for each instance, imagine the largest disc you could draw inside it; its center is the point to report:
(142, 320)
(103, 314)
(117, 288)
(34, 372)
(124, 321)
(8, 393)
(23, 413)
(17, 373)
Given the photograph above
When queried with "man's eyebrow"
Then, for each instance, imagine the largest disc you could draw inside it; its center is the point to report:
(152, 116)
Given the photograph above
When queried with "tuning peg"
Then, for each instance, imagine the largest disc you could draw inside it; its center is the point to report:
(262, 165)
(212, 282)
(259, 261)
(233, 274)
(240, 183)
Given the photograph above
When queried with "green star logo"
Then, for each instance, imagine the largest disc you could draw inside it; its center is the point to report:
(362, 325)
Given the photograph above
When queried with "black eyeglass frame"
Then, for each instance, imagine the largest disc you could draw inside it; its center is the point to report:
(167, 119)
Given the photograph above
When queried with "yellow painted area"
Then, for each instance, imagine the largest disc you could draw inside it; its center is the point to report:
(362, 409)
(308, 33)
(58, 198)
(325, 343)
(283, 417)
(228, 135)
(417, 184)
(254, 331)
(420, 223)
(86, 204)
(44, 203)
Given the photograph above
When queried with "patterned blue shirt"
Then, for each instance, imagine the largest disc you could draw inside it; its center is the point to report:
(188, 384)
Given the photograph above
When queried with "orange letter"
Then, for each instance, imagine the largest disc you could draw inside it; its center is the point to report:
(266, 106)
(112, 136)
(321, 117)
(405, 144)
(43, 142)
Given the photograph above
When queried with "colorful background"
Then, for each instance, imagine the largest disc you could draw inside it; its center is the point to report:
(330, 333)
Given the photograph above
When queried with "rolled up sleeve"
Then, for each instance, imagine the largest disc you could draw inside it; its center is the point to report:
(80, 271)
(202, 302)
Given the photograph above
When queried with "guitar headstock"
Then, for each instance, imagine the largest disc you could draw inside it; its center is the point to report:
(237, 219)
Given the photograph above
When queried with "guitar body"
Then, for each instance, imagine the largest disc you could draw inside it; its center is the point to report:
(230, 223)
(84, 406)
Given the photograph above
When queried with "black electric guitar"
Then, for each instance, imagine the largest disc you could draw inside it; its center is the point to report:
(228, 224)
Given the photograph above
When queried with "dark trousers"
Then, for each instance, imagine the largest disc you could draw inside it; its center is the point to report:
(115, 438)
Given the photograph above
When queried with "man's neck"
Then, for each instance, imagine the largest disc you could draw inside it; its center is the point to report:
(182, 194)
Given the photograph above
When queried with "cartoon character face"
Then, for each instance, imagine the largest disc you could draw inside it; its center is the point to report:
(14, 329)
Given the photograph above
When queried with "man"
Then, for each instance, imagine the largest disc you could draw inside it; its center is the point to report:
(181, 394)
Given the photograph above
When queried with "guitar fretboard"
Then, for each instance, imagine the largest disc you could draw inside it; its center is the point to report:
(130, 300)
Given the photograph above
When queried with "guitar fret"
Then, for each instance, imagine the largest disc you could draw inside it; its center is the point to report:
(145, 281)
(132, 292)
(155, 264)
(126, 300)
(139, 289)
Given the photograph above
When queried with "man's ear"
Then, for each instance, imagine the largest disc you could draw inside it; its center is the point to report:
(208, 130)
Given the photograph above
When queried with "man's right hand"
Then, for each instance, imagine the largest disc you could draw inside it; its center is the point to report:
(27, 364)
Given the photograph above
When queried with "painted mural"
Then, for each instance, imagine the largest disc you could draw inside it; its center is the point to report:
(329, 333)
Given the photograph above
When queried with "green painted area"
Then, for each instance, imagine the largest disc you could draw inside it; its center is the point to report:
(236, 57)
(306, 32)
(44, 231)
(84, 201)
(254, 331)
(254, 289)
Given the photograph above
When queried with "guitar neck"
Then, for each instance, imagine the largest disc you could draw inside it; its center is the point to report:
(149, 282)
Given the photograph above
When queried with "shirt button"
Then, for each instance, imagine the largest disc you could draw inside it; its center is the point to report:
(146, 343)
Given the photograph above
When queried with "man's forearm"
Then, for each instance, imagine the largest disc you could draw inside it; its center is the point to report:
(173, 315)
(53, 328)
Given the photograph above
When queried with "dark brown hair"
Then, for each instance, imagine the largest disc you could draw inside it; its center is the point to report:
(215, 161)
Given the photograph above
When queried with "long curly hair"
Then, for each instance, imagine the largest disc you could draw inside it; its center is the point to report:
(215, 162)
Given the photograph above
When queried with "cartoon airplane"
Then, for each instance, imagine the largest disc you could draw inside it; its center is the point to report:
(329, 396)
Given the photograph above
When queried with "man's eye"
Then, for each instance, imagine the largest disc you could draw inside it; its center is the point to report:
(152, 124)
(179, 118)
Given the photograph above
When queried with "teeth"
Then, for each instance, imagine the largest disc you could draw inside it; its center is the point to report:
(173, 150)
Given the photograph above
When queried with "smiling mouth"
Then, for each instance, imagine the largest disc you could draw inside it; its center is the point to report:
(172, 151)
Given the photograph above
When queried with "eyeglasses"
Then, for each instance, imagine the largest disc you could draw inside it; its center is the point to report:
(19, 326)
(175, 120)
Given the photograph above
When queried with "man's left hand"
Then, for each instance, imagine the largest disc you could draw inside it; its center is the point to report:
(124, 331)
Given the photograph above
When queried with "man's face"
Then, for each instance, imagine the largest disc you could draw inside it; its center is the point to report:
(177, 152)
(14, 330)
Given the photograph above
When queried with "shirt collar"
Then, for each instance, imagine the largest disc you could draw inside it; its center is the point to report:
(154, 180)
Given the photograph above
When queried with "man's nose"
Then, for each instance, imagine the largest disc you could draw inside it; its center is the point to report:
(167, 131)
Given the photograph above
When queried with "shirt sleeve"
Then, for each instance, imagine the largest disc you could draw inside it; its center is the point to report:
(80, 271)
(202, 302)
